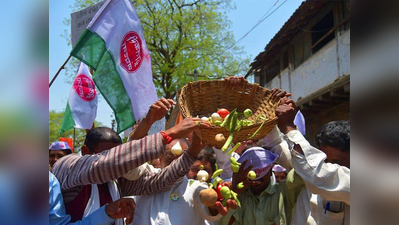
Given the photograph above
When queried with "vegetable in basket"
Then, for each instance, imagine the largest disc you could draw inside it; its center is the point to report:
(223, 112)
(216, 117)
(220, 138)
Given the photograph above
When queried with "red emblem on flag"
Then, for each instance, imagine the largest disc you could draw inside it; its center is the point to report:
(84, 87)
(131, 53)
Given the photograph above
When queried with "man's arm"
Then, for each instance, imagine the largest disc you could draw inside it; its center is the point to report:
(157, 111)
(153, 182)
(275, 143)
(74, 170)
(330, 181)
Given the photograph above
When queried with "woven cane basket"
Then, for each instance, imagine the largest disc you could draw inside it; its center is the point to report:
(202, 98)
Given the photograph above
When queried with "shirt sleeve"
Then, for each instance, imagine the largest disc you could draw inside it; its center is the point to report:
(223, 162)
(57, 214)
(74, 170)
(201, 208)
(330, 181)
(155, 182)
(275, 143)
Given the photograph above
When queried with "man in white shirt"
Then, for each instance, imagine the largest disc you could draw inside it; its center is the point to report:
(179, 205)
(326, 197)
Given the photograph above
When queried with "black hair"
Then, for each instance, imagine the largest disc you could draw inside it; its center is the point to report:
(205, 155)
(101, 134)
(335, 134)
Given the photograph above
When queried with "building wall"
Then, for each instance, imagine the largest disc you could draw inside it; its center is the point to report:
(344, 52)
(285, 80)
(321, 69)
(315, 73)
(274, 83)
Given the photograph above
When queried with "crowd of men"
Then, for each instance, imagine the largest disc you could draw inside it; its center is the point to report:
(141, 182)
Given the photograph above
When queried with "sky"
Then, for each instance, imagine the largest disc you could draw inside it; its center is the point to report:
(246, 15)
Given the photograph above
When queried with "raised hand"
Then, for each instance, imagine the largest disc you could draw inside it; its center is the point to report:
(196, 146)
(186, 126)
(122, 208)
(241, 176)
(159, 109)
(282, 95)
(235, 81)
(286, 115)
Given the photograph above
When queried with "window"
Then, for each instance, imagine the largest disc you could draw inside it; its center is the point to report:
(320, 29)
(346, 13)
(285, 59)
(302, 49)
(273, 70)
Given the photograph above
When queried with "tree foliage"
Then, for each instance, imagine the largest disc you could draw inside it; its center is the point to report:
(184, 36)
(55, 122)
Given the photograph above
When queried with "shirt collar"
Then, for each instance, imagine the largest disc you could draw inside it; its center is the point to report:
(270, 190)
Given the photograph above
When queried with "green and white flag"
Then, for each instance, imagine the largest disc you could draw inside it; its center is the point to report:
(113, 45)
(81, 109)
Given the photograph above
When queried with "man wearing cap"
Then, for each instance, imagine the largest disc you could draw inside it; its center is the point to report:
(263, 201)
(280, 173)
(58, 150)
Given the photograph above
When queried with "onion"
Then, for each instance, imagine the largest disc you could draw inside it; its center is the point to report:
(216, 117)
(205, 118)
(176, 149)
(202, 175)
(220, 138)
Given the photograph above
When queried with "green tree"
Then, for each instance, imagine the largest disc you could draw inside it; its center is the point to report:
(55, 121)
(184, 36)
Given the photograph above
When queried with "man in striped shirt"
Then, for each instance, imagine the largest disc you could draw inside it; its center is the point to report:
(105, 159)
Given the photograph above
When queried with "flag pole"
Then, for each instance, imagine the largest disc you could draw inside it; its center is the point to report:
(62, 67)
(73, 139)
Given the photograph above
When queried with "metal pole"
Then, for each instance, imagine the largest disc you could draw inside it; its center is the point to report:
(74, 135)
(195, 75)
(62, 67)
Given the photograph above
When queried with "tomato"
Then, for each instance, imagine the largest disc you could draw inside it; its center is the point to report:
(223, 112)
(220, 197)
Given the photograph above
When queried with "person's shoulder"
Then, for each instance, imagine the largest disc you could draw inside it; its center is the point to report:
(194, 184)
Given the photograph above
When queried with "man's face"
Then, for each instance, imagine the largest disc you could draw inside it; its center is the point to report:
(264, 182)
(55, 155)
(335, 155)
(280, 176)
(192, 174)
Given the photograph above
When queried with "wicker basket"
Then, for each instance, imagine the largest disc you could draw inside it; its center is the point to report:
(202, 98)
